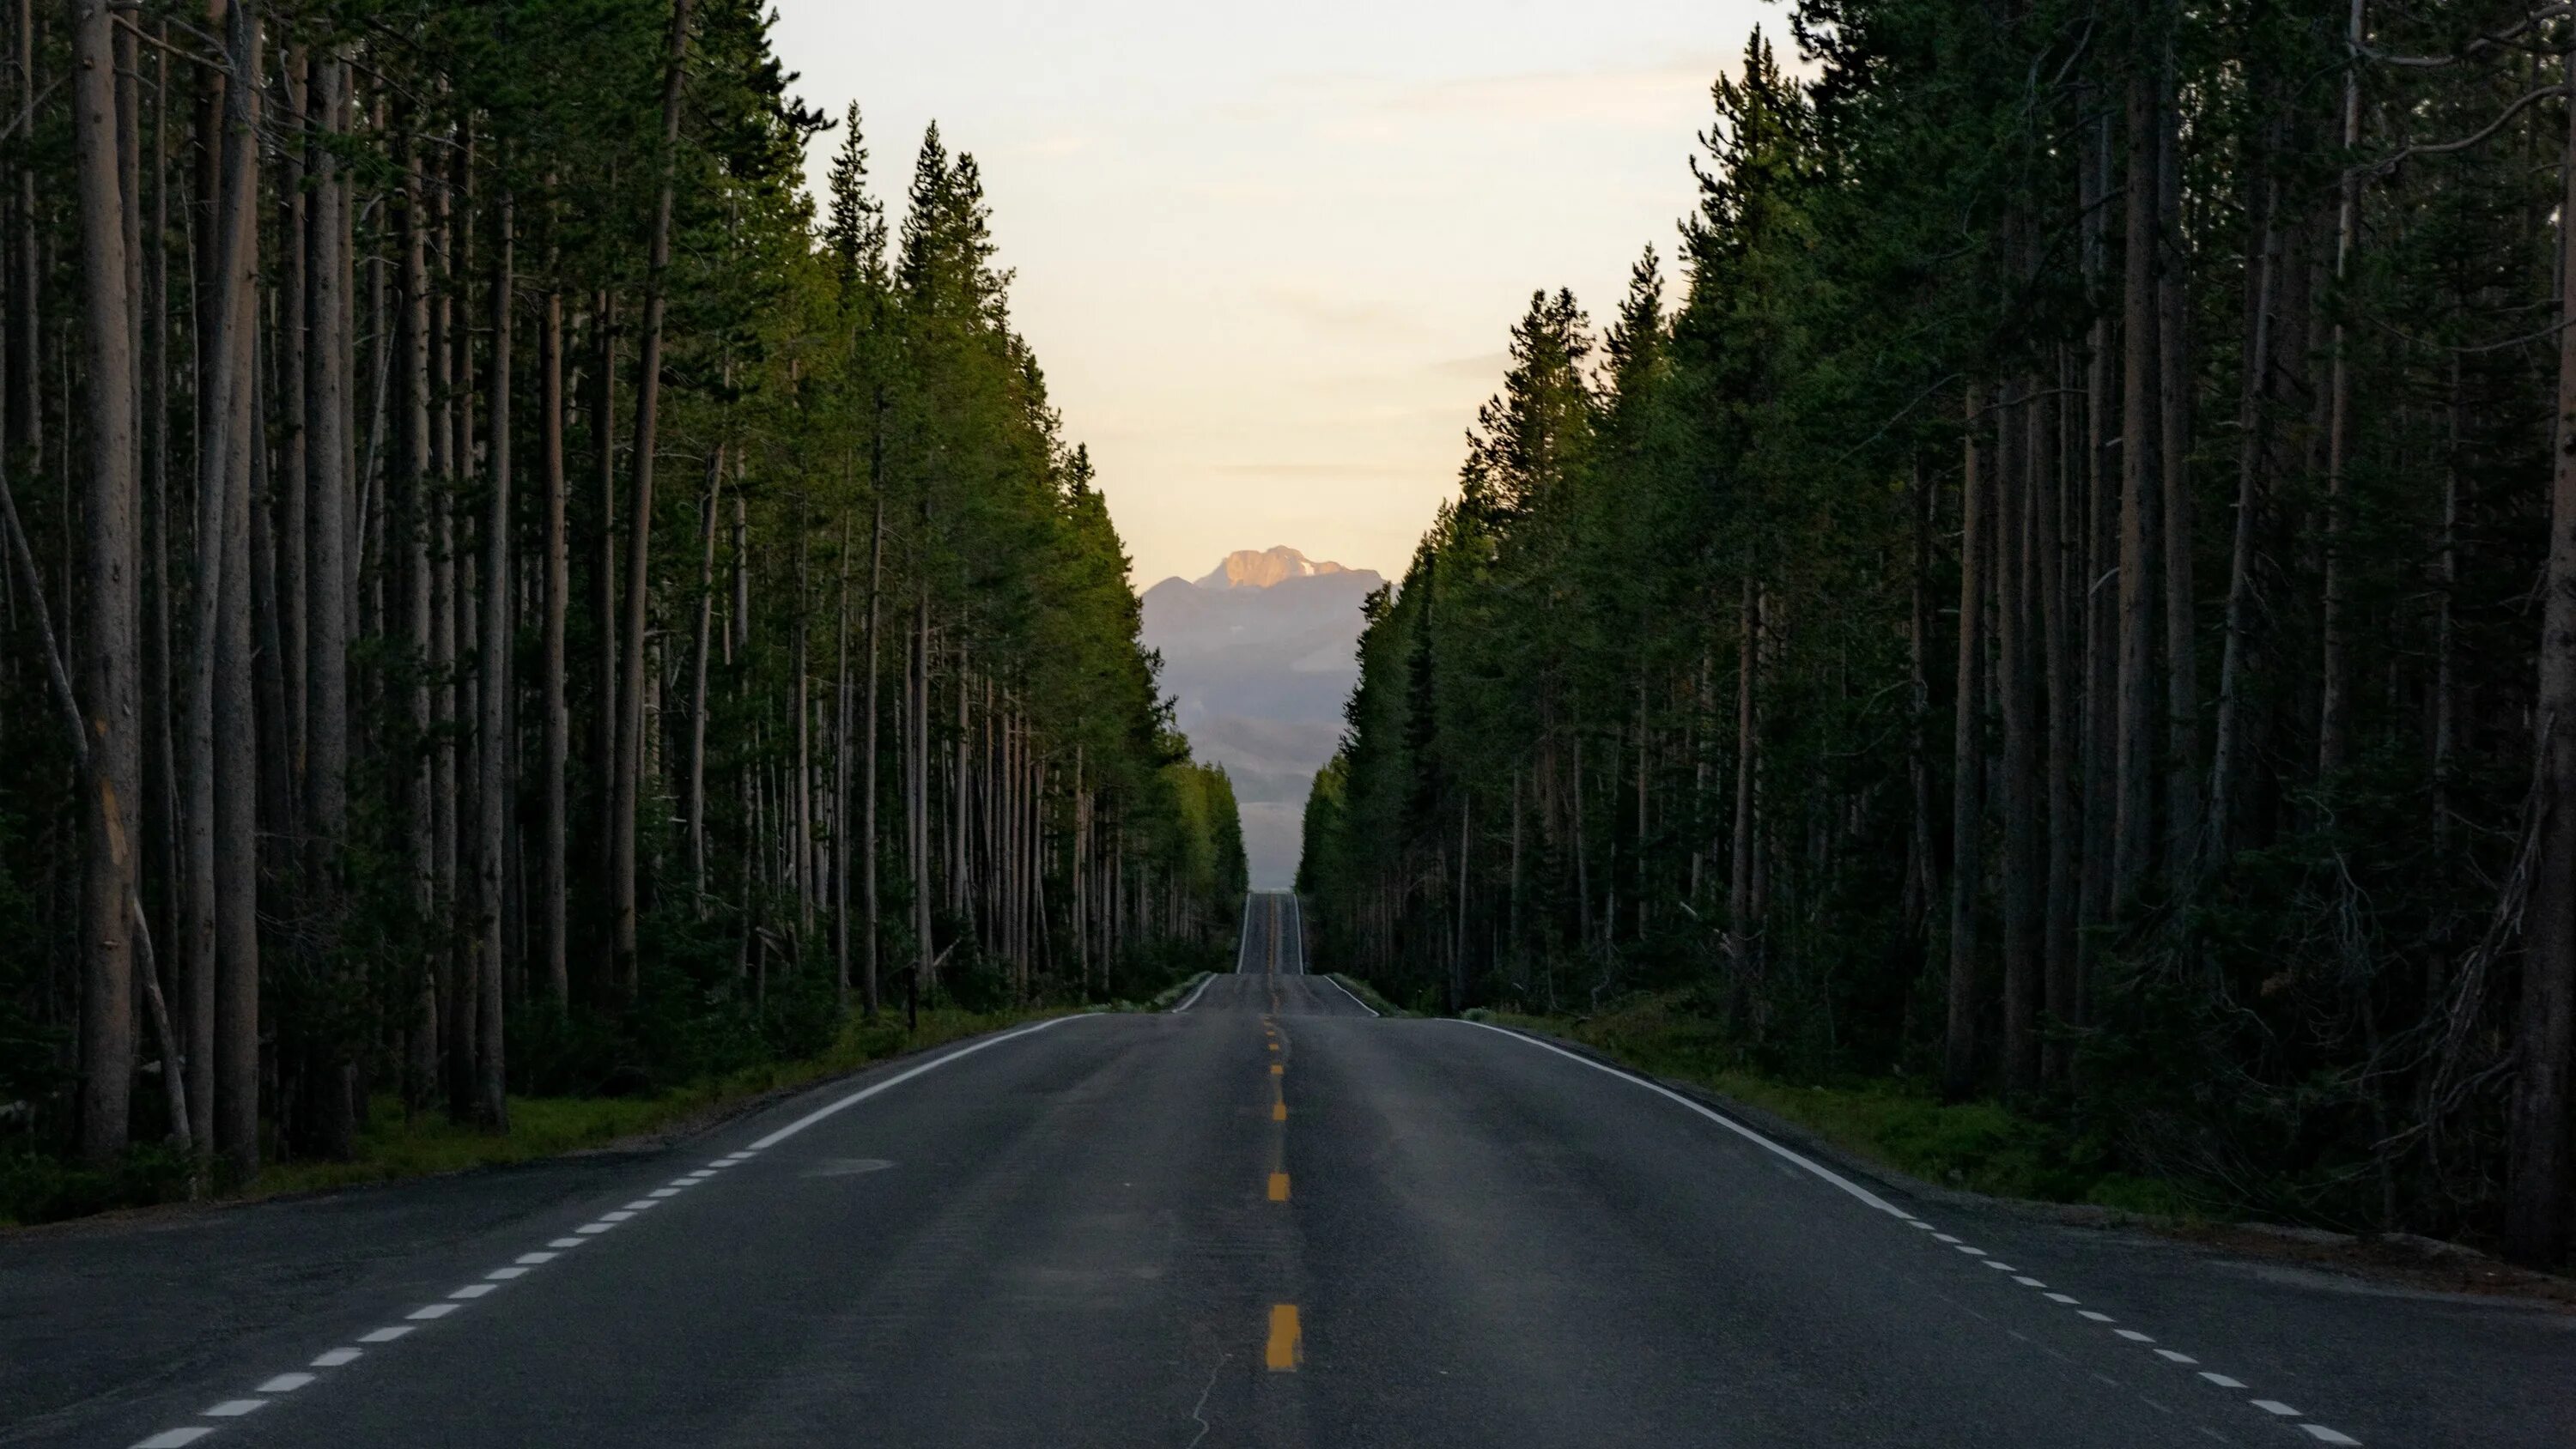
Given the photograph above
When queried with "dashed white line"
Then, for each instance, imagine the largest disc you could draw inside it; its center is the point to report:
(233, 1408)
(664, 1192)
(385, 1335)
(567, 1242)
(473, 1290)
(642, 1203)
(2319, 1432)
(434, 1310)
(504, 1275)
(337, 1358)
(173, 1438)
(619, 1216)
(594, 1227)
(285, 1383)
(533, 1259)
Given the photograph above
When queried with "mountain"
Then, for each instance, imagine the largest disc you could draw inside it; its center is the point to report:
(1258, 657)
(1249, 568)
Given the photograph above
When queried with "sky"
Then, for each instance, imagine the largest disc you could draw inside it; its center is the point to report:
(1269, 256)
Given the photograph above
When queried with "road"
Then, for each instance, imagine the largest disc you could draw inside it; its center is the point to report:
(1268, 1218)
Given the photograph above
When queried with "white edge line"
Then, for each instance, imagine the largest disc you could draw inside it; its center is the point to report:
(1371, 1010)
(898, 1079)
(1739, 1129)
(1195, 995)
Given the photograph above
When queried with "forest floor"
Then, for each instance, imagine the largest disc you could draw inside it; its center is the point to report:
(1984, 1148)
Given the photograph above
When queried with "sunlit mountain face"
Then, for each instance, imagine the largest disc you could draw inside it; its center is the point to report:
(1258, 657)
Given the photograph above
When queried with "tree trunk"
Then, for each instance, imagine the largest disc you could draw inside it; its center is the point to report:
(868, 829)
(237, 757)
(2333, 680)
(695, 804)
(491, 1097)
(2015, 467)
(2050, 453)
(2541, 1182)
(2141, 512)
(552, 880)
(1968, 767)
(111, 564)
(639, 512)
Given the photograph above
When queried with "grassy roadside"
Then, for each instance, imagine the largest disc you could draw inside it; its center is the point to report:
(392, 1148)
(1171, 996)
(1367, 994)
(1976, 1146)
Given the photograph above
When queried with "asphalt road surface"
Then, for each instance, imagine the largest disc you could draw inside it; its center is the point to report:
(1268, 1218)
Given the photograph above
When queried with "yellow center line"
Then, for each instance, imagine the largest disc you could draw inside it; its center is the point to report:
(1279, 1111)
(1277, 1070)
(1286, 1347)
(1278, 1187)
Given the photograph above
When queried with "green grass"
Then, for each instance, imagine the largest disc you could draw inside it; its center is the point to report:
(1171, 995)
(1368, 995)
(427, 1143)
(1977, 1146)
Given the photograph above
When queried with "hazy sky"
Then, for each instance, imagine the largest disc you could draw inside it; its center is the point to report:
(1269, 255)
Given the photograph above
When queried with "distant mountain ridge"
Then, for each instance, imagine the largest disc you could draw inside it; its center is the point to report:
(1258, 656)
(1259, 568)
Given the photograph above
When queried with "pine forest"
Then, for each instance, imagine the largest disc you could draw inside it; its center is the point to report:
(2065, 594)
(506, 596)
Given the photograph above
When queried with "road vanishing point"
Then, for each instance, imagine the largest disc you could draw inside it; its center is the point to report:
(1269, 1216)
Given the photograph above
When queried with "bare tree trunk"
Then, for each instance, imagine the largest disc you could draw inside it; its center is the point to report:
(2333, 680)
(2254, 458)
(491, 1096)
(841, 723)
(1968, 766)
(552, 879)
(605, 595)
(2183, 779)
(237, 760)
(328, 585)
(2022, 872)
(639, 512)
(696, 802)
(2541, 1179)
(26, 414)
(868, 830)
(2095, 885)
(419, 505)
(292, 345)
(2051, 453)
(2141, 513)
(111, 566)
(1920, 884)
(918, 730)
